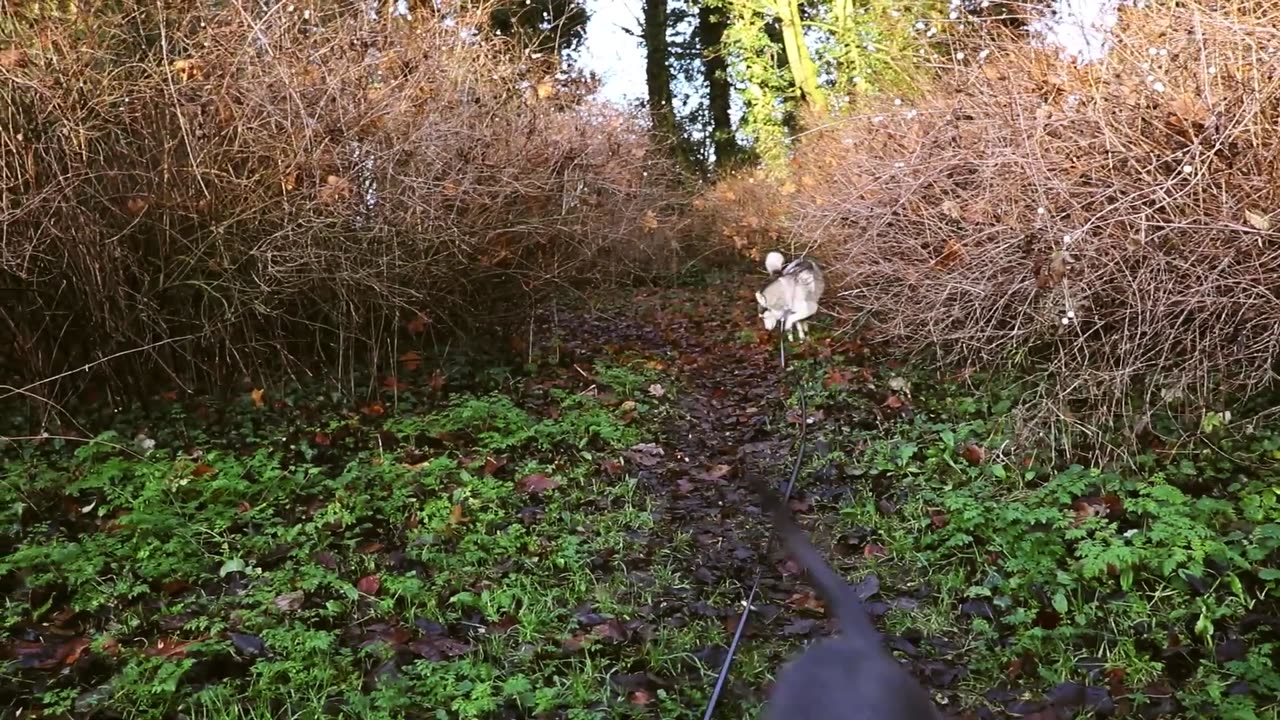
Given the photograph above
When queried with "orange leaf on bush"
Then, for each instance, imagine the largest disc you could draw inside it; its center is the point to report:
(418, 325)
(411, 360)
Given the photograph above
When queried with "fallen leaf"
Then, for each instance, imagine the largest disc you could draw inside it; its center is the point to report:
(1115, 506)
(438, 648)
(893, 402)
(321, 438)
(231, 566)
(167, 647)
(646, 454)
(873, 550)
(1086, 508)
(574, 642)
(836, 378)
(952, 253)
(36, 655)
(334, 189)
(455, 515)
(373, 409)
(973, 454)
(290, 601)
(369, 584)
(136, 205)
(491, 465)
(610, 629)
(537, 483)
(504, 625)
(1258, 220)
(174, 587)
(248, 645)
(13, 57)
(657, 390)
(713, 473)
(256, 395)
(411, 360)
(1189, 108)
(202, 469)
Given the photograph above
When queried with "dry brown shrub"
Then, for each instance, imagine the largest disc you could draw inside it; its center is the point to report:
(1139, 194)
(278, 182)
(743, 215)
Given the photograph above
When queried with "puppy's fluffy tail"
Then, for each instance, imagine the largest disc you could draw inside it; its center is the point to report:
(839, 596)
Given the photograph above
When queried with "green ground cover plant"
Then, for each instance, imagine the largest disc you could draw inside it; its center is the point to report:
(574, 538)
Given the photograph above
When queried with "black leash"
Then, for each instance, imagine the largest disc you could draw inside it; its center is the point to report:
(786, 495)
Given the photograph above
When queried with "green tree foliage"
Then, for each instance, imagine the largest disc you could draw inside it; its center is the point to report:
(787, 54)
(754, 61)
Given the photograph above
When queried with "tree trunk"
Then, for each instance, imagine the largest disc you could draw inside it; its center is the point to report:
(803, 70)
(657, 70)
(715, 71)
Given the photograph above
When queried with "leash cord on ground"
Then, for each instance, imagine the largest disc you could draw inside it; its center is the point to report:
(786, 496)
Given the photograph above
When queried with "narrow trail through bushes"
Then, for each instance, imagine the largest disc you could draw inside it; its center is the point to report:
(732, 420)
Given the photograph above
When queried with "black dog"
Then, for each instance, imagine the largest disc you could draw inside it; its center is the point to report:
(847, 677)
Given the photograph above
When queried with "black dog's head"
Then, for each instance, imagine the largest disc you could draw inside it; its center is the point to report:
(847, 677)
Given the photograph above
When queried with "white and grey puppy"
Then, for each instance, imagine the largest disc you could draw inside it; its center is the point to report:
(793, 297)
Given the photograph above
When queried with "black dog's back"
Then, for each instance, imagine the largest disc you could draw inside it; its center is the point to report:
(847, 677)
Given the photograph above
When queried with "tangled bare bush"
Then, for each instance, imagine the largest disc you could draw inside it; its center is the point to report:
(277, 183)
(744, 215)
(1113, 220)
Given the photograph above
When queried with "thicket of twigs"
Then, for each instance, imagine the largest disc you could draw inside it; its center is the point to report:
(232, 183)
(1112, 224)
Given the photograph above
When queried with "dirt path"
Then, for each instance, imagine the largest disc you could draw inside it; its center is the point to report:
(732, 420)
